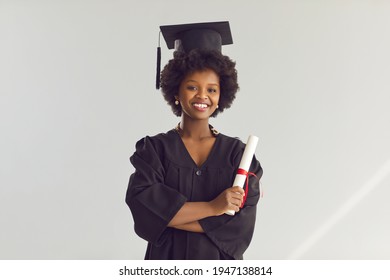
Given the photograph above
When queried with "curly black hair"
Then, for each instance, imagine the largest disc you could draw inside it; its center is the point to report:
(182, 64)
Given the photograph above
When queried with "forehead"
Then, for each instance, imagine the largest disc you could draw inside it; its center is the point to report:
(205, 75)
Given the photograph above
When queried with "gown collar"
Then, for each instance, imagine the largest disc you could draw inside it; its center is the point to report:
(214, 132)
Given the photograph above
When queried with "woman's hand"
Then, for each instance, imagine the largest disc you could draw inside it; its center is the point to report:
(229, 199)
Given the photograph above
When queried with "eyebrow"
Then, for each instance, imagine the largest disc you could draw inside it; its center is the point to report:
(211, 84)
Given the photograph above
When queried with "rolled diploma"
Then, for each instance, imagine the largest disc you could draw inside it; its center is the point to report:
(245, 163)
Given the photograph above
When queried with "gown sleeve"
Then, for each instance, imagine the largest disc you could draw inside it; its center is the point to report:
(233, 234)
(152, 203)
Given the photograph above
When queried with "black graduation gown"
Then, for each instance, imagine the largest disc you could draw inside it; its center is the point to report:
(166, 177)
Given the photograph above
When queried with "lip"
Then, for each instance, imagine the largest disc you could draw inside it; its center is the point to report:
(198, 106)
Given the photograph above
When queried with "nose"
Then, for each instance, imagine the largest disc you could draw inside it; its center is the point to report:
(202, 93)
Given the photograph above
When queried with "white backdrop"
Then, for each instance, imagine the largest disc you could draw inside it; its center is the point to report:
(77, 92)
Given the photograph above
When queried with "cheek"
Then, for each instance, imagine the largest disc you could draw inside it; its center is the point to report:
(185, 96)
(217, 98)
(182, 95)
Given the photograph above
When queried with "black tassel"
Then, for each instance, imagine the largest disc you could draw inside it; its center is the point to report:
(158, 68)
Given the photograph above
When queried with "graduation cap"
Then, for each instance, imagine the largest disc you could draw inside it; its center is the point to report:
(186, 37)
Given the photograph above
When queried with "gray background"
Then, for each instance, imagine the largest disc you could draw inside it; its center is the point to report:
(77, 92)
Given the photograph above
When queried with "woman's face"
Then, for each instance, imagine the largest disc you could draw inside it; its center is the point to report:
(199, 94)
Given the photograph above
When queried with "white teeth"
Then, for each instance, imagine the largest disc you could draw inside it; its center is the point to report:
(200, 105)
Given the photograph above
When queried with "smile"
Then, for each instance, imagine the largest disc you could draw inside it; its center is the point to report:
(200, 106)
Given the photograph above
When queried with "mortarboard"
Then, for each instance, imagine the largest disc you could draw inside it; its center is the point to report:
(186, 37)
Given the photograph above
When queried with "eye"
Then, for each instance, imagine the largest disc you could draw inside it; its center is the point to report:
(192, 88)
(212, 90)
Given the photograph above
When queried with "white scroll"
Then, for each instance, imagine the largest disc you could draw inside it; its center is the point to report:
(245, 163)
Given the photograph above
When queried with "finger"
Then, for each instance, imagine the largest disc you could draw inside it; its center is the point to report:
(236, 201)
(237, 195)
(233, 207)
(238, 189)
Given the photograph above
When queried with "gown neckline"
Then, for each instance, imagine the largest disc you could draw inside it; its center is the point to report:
(189, 155)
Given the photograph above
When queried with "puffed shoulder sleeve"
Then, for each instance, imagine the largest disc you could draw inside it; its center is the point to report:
(152, 203)
(233, 234)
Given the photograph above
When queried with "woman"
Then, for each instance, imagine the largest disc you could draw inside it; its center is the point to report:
(181, 186)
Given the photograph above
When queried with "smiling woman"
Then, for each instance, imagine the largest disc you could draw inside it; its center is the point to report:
(182, 184)
(183, 64)
(199, 93)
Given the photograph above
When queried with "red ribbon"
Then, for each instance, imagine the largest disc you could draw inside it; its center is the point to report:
(246, 174)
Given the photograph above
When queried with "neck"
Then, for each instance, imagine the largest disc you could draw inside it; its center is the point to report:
(196, 129)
